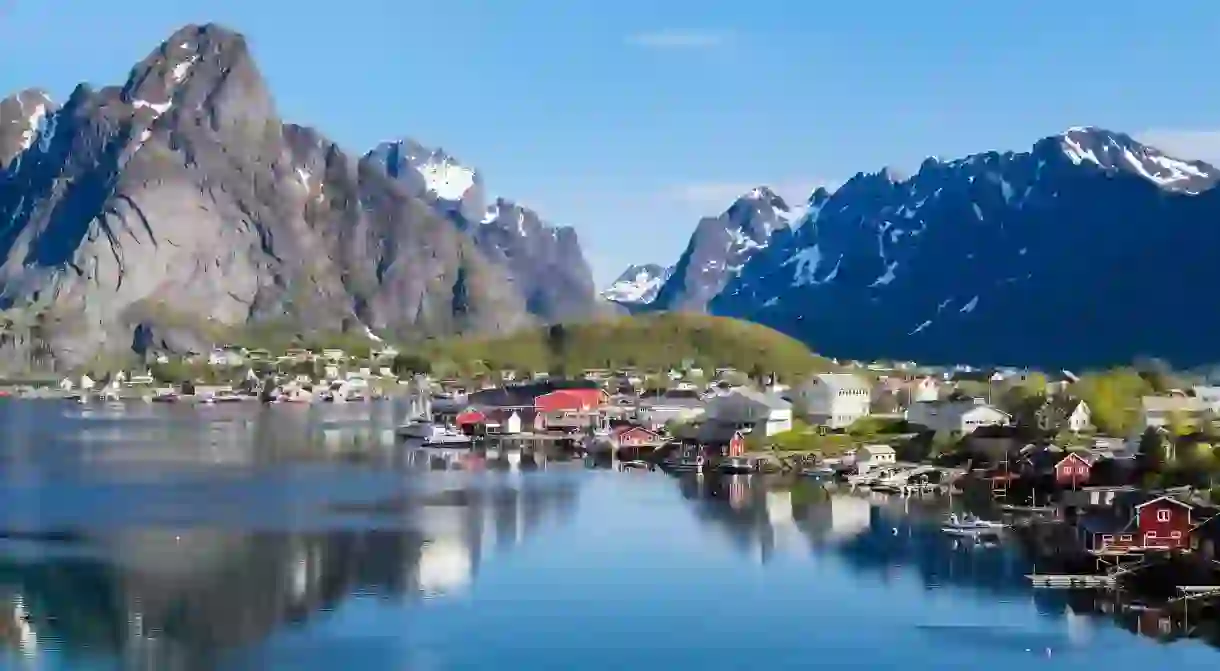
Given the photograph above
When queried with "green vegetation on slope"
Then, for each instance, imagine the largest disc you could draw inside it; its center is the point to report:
(647, 342)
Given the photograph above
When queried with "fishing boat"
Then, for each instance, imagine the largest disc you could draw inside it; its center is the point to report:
(969, 525)
(430, 434)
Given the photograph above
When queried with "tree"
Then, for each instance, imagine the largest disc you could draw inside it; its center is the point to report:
(1114, 398)
(1152, 456)
(410, 364)
(1178, 424)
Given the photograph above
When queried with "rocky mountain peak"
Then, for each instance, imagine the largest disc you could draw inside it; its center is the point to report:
(721, 246)
(25, 116)
(206, 70)
(158, 213)
(1113, 152)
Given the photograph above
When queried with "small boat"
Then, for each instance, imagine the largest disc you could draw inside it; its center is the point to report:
(969, 525)
(734, 465)
(432, 434)
(818, 472)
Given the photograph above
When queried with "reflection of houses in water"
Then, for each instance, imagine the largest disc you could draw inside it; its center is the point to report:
(172, 599)
(787, 536)
(837, 520)
(445, 567)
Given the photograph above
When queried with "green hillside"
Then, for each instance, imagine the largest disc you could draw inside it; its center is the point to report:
(648, 342)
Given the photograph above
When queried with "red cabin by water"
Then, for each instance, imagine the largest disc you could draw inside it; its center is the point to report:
(1163, 523)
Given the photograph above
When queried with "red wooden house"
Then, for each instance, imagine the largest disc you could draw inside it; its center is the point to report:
(1162, 523)
(470, 419)
(635, 436)
(1073, 471)
(571, 400)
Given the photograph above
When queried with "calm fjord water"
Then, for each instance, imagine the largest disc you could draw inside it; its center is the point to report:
(240, 537)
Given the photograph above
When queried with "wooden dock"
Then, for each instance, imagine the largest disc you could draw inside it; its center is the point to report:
(1057, 581)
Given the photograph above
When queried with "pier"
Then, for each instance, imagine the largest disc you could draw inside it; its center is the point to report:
(1069, 581)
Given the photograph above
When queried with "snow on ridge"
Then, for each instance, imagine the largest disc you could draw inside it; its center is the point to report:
(641, 288)
(446, 178)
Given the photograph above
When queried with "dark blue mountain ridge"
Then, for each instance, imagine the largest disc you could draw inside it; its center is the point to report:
(1089, 249)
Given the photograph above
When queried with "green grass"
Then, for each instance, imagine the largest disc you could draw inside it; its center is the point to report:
(647, 342)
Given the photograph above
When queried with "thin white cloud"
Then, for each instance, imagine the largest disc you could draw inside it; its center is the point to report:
(713, 197)
(1197, 145)
(679, 39)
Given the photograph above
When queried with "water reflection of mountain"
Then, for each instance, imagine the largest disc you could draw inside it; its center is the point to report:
(170, 599)
(224, 434)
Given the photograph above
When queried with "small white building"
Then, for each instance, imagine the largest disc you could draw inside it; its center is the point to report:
(925, 389)
(873, 456)
(961, 417)
(225, 357)
(767, 413)
(334, 355)
(512, 424)
(1080, 418)
(835, 400)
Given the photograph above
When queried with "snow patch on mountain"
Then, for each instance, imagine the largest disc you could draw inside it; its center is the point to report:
(429, 171)
(638, 285)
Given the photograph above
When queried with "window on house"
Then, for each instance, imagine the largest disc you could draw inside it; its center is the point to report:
(1126, 538)
(1162, 516)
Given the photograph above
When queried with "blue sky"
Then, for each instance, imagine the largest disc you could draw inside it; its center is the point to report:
(630, 119)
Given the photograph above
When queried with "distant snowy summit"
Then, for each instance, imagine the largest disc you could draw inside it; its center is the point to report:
(638, 285)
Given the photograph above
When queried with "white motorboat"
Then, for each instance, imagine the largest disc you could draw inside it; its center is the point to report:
(432, 434)
(969, 525)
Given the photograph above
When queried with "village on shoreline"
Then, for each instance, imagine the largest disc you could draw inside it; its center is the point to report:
(1112, 471)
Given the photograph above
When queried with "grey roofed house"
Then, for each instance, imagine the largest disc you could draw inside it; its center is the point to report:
(952, 415)
(675, 398)
(769, 399)
(843, 382)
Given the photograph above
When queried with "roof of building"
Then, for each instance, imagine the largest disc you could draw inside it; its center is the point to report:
(1166, 498)
(956, 409)
(668, 401)
(841, 381)
(1100, 524)
(1085, 458)
(1172, 404)
(876, 449)
(523, 394)
(769, 399)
